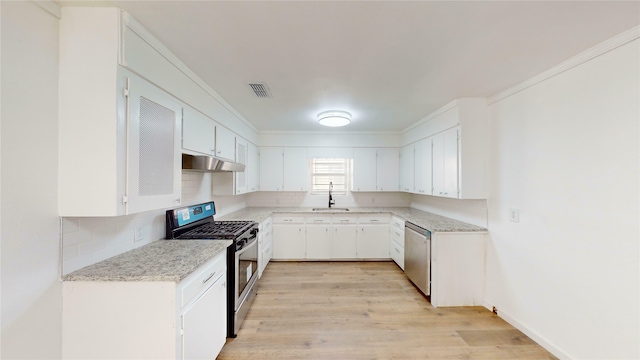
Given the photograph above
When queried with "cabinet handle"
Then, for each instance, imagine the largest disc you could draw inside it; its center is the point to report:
(374, 220)
(208, 278)
(317, 220)
(178, 200)
(397, 250)
(344, 220)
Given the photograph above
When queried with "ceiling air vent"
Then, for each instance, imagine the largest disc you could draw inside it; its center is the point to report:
(260, 89)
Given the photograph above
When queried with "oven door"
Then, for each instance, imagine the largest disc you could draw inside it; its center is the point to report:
(246, 269)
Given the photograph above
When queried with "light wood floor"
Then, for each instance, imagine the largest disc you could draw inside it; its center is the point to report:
(365, 310)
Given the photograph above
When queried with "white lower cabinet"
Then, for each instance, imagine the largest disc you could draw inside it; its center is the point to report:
(147, 319)
(289, 238)
(373, 237)
(318, 237)
(265, 244)
(457, 269)
(396, 241)
(345, 232)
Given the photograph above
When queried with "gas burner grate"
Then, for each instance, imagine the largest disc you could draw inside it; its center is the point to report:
(218, 229)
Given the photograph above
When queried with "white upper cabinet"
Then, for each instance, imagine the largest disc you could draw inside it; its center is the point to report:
(225, 143)
(242, 156)
(271, 169)
(423, 167)
(376, 169)
(458, 136)
(296, 175)
(364, 169)
(388, 169)
(445, 163)
(119, 135)
(407, 171)
(253, 168)
(198, 132)
(284, 169)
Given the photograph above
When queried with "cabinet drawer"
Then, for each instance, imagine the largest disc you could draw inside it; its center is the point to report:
(318, 219)
(200, 280)
(397, 222)
(397, 236)
(397, 254)
(288, 220)
(267, 224)
(337, 220)
(374, 219)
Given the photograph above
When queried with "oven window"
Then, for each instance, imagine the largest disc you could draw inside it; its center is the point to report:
(247, 266)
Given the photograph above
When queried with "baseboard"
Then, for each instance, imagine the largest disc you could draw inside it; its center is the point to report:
(530, 333)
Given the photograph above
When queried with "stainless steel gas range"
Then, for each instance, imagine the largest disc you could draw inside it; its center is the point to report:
(197, 222)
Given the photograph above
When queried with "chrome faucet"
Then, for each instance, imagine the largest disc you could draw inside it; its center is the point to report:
(331, 201)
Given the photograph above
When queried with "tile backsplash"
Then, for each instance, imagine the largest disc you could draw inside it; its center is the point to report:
(86, 241)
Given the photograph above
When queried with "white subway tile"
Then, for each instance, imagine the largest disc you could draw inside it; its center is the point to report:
(77, 237)
(91, 246)
(70, 225)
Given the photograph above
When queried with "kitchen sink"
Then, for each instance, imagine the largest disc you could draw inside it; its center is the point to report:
(330, 209)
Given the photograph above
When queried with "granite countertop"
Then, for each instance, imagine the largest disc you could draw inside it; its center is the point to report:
(427, 220)
(162, 260)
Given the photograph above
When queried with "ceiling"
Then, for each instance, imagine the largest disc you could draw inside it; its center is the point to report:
(389, 63)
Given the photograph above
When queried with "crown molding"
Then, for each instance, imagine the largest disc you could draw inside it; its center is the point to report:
(589, 54)
(50, 6)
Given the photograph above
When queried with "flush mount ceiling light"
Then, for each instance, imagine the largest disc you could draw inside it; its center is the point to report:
(334, 118)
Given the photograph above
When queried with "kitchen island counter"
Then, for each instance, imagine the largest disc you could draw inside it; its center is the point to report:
(162, 260)
(427, 220)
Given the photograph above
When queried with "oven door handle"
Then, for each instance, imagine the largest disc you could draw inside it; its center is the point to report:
(248, 244)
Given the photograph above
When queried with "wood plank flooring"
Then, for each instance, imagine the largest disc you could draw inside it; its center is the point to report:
(365, 310)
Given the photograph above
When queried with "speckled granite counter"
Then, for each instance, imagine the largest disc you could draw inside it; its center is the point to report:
(427, 220)
(162, 260)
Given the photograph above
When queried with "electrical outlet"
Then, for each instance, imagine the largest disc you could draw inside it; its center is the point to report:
(514, 215)
(138, 234)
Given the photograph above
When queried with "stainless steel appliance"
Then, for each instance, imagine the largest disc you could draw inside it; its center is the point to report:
(197, 222)
(417, 256)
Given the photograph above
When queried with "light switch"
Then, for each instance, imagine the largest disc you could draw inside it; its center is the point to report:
(138, 234)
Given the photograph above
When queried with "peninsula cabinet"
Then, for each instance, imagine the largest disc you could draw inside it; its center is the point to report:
(457, 268)
(147, 319)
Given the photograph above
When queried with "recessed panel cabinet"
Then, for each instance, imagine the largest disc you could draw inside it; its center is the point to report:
(376, 169)
(120, 136)
(283, 169)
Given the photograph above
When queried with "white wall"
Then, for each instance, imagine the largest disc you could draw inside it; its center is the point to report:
(329, 139)
(565, 152)
(30, 268)
(88, 240)
(470, 211)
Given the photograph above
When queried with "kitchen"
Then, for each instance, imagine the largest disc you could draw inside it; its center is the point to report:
(545, 140)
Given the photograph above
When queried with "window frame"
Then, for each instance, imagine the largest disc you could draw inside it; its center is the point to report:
(338, 189)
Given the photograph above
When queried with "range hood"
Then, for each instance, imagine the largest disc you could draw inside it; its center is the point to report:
(205, 163)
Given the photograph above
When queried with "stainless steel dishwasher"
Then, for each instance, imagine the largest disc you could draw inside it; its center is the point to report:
(417, 256)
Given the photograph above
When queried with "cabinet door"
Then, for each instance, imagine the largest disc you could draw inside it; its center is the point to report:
(198, 132)
(253, 168)
(364, 170)
(387, 169)
(154, 148)
(204, 325)
(225, 143)
(295, 165)
(242, 157)
(423, 167)
(344, 242)
(319, 242)
(289, 242)
(445, 163)
(407, 169)
(373, 241)
(271, 169)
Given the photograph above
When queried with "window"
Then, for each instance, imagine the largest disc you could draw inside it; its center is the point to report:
(325, 171)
